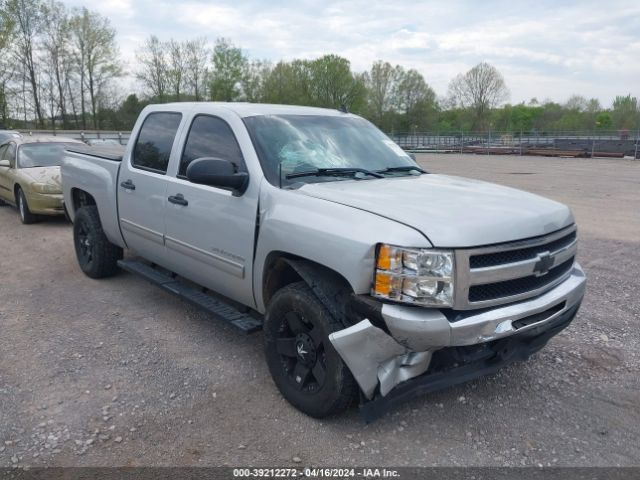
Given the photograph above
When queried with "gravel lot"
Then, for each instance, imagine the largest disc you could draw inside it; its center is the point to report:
(118, 372)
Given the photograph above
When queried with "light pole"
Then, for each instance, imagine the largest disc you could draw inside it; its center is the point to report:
(593, 140)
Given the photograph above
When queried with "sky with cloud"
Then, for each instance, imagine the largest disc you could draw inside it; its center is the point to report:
(544, 49)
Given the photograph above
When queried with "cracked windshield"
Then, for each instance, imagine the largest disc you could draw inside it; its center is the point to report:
(301, 148)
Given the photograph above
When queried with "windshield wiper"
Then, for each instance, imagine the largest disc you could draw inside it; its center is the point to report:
(407, 168)
(333, 172)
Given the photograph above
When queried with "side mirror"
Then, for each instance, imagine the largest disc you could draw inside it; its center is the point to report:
(218, 173)
(5, 163)
(413, 156)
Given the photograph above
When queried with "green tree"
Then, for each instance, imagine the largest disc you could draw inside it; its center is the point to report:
(96, 57)
(548, 117)
(7, 25)
(7, 31)
(625, 113)
(229, 67)
(254, 79)
(28, 19)
(177, 59)
(287, 83)
(331, 83)
(381, 83)
(129, 110)
(603, 121)
(154, 68)
(415, 100)
(523, 117)
(57, 47)
(591, 114)
(197, 58)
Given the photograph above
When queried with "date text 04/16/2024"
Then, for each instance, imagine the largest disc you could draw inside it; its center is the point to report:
(310, 472)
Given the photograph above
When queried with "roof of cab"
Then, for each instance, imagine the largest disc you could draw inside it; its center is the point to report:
(243, 109)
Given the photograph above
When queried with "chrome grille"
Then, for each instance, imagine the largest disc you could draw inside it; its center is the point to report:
(514, 271)
(511, 256)
(492, 291)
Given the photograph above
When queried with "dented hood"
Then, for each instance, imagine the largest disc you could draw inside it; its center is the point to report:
(450, 211)
(48, 175)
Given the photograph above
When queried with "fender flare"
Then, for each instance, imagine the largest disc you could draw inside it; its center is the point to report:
(330, 288)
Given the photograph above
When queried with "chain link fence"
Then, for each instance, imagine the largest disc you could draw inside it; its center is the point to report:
(616, 144)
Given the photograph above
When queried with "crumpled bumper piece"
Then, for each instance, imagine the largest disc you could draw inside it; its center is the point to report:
(374, 357)
(400, 369)
(422, 329)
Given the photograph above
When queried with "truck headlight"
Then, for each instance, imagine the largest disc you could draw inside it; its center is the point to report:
(46, 188)
(411, 275)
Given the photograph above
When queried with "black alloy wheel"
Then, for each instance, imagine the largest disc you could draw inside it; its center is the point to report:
(305, 367)
(96, 256)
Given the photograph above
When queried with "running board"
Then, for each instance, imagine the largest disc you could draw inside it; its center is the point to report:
(218, 308)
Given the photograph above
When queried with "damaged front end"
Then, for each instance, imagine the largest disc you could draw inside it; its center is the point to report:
(376, 358)
(414, 351)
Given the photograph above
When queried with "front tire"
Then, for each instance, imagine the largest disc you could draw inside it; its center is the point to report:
(305, 367)
(26, 217)
(97, 257)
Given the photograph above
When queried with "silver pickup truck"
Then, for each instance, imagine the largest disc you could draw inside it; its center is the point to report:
(372, 279)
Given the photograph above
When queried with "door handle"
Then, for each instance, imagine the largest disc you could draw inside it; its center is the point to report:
(178, 199)
(129, 185)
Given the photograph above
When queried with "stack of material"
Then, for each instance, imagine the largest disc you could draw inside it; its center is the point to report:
(556, 152)
(492, 150)
(608, 154)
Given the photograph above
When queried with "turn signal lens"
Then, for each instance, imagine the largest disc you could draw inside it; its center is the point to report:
(384, 257)
(389, 258)
(388, 285)
(383, 284)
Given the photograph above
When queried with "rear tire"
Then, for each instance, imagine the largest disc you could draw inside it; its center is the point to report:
(26, 217)
(305, 367)
(97, 257)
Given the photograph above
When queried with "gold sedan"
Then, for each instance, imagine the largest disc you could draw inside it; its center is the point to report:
(30, 175)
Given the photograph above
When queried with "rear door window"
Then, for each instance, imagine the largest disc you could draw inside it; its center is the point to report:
(153, 145)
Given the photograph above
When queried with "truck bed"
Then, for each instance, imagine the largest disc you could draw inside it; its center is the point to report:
(111, 152)
(94, 171)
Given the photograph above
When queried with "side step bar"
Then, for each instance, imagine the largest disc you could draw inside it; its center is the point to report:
(218, 308)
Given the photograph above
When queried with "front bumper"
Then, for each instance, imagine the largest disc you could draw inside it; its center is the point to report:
(422, 329)
(381, 360)
(45, 204)
(456, 365)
